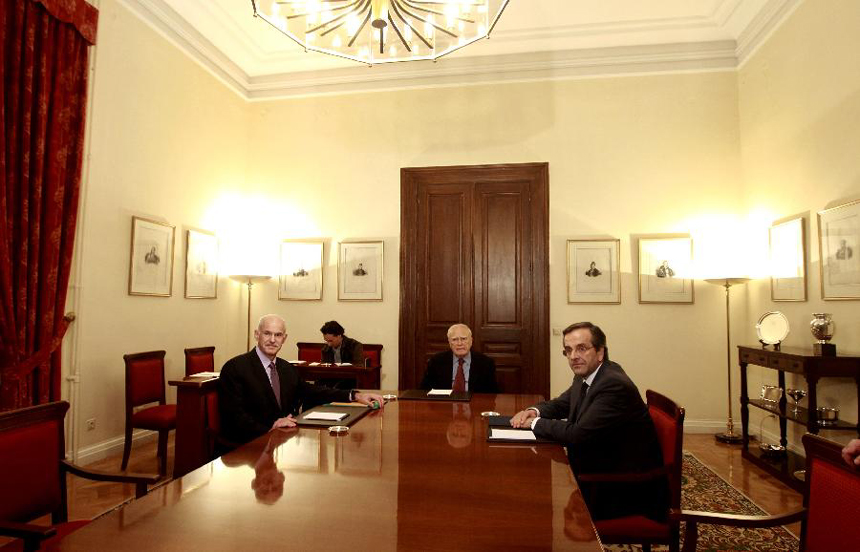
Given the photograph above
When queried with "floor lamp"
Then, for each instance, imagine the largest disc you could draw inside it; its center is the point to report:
(249, 281)
(729, 436)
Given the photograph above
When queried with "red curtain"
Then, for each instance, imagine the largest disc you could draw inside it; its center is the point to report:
(43, 51)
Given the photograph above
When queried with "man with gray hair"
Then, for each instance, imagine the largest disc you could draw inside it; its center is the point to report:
(259, 392)
(461, 369)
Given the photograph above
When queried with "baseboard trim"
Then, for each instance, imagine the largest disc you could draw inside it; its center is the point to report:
(112, 447)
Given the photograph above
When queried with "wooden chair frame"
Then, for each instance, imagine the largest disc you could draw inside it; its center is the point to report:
(195, 352)
(671, 470)
(129, 409)
(31, 534)
(816, 447)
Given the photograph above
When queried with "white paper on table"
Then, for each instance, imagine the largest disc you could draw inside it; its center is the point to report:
(445, 392)
(327, 416)
(314, 364)
(297, 361)
(343, 364)
(206, 375)
(513, 434)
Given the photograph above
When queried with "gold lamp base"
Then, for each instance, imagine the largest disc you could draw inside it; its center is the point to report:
(729, 437)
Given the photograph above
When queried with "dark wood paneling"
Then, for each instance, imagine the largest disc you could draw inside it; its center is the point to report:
(475, 250)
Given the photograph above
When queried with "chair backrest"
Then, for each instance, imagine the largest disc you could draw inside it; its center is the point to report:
(199, 359)
(373, 354)
(832, 488)
(32, 444)
(668, 420)
(144, 378)
(310, 352)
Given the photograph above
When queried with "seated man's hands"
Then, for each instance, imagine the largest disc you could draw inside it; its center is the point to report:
(287, 421)
(369, 398)
(851, 453)
(523, 418)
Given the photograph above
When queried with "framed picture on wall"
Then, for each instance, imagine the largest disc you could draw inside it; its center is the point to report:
(663, 265)
(839, 244)
(150, 270)
(788, 260)
(592, 271)
(301, 274)
(359, 271)
(201, 265)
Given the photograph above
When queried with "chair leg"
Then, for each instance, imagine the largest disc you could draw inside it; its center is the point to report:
(126, 449)
(646, 547)
(162, 451)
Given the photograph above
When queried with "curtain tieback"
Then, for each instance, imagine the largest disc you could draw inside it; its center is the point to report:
(23, 368)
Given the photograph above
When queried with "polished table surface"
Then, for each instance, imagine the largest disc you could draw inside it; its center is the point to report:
(417, 475)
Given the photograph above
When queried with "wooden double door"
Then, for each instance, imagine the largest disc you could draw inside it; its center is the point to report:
(474, 249)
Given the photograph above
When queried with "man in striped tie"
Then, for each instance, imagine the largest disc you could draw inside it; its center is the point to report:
(259, 392)
(605, 425)
(461, 368)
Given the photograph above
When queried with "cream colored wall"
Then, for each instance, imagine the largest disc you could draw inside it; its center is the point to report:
(165, 139)
(799, 98)
(626, 156)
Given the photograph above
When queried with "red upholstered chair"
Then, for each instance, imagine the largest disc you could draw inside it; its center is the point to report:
(829, 519)
(144, 384)
(310, 352)
(668, 420)
(372, 354)
(199, 359)
(33, 476)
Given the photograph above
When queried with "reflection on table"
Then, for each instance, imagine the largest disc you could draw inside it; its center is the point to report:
(416, 475)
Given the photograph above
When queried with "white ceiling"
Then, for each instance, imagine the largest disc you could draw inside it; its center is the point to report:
(534, 39)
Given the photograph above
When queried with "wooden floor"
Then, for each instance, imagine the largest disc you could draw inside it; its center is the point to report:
(88, 499)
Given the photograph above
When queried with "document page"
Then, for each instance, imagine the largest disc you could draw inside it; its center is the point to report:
(445, 392)
(513, 434)
(327, 416)
(205, 375)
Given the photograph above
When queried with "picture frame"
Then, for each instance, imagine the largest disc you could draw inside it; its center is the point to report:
(787, 247)
(301, 272)
(201, 265)
(360, 271)
(663, 263)
(150, 268)
(593, 274)
(839, 250)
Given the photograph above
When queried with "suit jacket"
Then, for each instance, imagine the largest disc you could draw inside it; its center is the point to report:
(350, 351)
(247, 403)
(611, 432)
(482, 373)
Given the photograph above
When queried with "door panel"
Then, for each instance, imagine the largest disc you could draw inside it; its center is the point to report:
(475, 250)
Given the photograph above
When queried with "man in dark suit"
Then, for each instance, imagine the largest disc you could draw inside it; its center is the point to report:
(605, 426)
(259, 392)
(461, 369)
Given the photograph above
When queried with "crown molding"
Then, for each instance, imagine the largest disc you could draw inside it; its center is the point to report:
(466, 70)
(169, 24)
(766, 21)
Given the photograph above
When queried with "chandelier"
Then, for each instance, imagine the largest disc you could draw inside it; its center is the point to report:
(382, 31)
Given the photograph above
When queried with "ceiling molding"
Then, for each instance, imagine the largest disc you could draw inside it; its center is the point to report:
(448, 72)
(472, 70)
(762, 26)
(164, 20)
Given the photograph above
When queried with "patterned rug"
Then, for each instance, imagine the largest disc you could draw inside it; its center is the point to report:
(705, 490)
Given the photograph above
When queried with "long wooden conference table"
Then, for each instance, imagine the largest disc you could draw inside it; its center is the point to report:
(416, 475)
